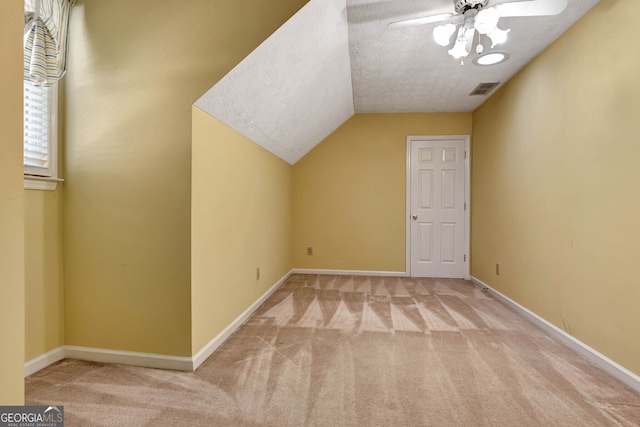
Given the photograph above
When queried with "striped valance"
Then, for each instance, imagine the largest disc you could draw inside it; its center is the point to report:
(46, 31)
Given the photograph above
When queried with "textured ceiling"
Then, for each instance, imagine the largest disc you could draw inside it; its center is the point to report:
(404, 70)
(293, 90)
(337, 57)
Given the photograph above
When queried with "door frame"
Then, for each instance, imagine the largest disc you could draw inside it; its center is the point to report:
(467, 195)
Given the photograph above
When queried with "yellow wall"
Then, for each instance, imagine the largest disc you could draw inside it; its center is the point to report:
(43, 271)
(135, 68)
(554, 184)
(241, 220)
(11, 206)
(349, 192)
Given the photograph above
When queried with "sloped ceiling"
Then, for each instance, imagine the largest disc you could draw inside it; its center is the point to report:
(337, 57)
(293, 90)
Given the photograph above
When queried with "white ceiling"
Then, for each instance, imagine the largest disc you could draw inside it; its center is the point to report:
(294, 89)
(337, 57)
(404, 70)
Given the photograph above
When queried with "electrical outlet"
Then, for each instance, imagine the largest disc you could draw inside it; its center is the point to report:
(497, 269)
(309, 251)
(258, 273)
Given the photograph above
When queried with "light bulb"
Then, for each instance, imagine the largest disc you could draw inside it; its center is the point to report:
(498, 36)
(442, 34)
(487, 20)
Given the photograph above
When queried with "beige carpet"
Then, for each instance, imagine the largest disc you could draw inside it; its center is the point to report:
(357, 351)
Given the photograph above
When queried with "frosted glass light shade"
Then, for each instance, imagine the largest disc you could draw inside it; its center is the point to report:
(498, 36)
(464, 42)
(487, 20)
(442, 34)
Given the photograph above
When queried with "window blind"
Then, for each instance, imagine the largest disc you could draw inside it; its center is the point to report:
(37, 130)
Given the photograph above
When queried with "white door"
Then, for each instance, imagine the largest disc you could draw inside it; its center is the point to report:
(437, 228)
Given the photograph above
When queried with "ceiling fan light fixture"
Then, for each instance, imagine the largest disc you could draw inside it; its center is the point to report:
(442, 34)
(479, 16)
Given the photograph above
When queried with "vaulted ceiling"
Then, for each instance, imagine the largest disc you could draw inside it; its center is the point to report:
(335, 58)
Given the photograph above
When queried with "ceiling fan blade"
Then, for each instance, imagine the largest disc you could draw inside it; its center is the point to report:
(421, 21)
(532, 8)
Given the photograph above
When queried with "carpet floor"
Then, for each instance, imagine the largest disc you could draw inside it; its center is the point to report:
(357, 351)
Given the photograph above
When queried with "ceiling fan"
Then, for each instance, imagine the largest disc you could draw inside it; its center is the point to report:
(480, 16)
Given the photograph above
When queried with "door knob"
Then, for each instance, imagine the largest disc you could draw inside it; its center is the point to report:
(414, 216)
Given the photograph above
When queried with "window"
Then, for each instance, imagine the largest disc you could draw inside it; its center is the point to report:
(40, 136)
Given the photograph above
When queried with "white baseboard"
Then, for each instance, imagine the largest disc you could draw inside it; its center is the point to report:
(349, 272)
(216, 342)
(609, 366)
(44, 360)
(176, 363)
(147, 360)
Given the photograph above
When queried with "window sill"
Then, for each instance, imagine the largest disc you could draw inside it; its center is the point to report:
(41, 183)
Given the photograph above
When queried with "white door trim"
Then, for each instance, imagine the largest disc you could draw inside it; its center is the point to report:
(467, 194)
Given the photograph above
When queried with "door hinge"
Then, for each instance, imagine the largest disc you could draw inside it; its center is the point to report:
(465, 258)
(465, 206)
(465, 154)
